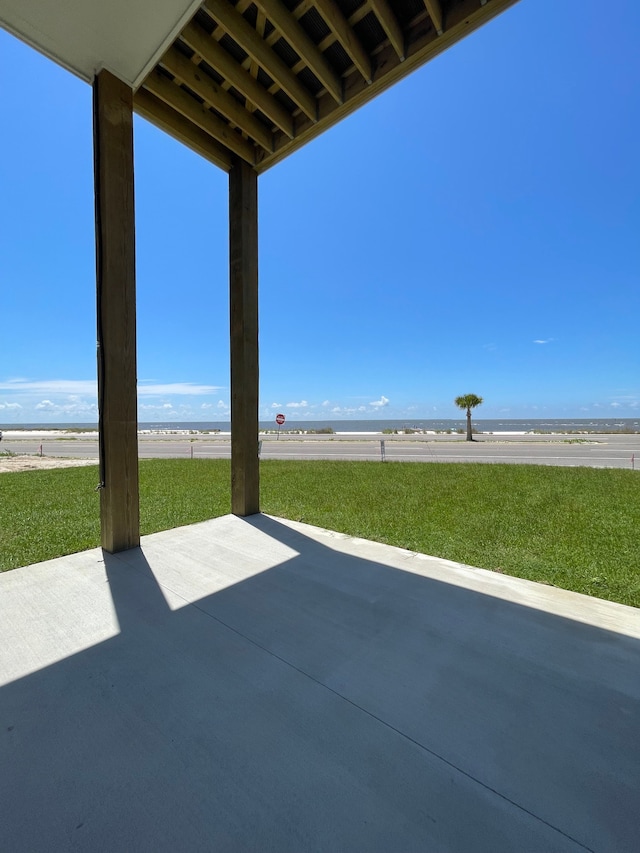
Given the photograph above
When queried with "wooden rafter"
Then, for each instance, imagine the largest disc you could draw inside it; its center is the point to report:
(160, 86)
(434, 9)
(300, 10)
(261, 24)
(218, 58)
(243, 33)
(390, 25)
(260, 87)
(176, 125)
(213, 94)
(424, 45)
(343, 32)
(293, 33)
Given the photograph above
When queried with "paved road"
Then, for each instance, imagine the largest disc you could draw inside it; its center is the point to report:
(610, 451)
(592, 455)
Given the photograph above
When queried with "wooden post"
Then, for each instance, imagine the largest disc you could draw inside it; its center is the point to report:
(243, 264)
(116, 309)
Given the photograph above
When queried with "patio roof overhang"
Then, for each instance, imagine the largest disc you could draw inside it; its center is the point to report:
(255, 80)
(244, 84)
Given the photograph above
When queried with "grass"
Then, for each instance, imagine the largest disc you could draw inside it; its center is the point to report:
(575, 528)
(45, 514)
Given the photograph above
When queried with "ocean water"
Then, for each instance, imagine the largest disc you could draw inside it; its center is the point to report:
(545, 425)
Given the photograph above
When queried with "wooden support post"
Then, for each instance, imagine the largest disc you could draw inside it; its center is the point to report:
(243, 264)
(116, 308)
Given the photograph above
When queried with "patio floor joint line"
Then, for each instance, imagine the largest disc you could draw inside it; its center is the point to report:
(380, 720)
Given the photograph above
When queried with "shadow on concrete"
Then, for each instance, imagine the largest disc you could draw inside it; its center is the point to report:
(328, 703)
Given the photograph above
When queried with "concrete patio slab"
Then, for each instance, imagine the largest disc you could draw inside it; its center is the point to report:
(259, 684)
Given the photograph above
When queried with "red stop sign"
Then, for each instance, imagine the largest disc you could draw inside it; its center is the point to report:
(280, 419)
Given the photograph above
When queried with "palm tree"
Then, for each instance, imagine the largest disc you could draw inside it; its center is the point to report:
(468, 402)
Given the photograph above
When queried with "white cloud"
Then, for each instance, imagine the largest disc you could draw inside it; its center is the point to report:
(276, 405)
(346, 410)
(76, 387)
(222, 405)
(629, 401)
(81, 407)
(379, 404)
(539, 341)
(177, 388)
(326, 403)
(88, 387)
(76, 399)
(301, 405)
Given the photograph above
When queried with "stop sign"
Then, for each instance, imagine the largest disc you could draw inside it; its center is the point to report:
(280, 419)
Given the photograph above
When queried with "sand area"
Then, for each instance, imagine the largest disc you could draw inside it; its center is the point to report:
(38, 463)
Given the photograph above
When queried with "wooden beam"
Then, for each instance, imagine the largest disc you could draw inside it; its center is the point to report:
(243, 33)
(217, 97)
(116, 309)
(218, 58)
(293, 32)
(435, 13)
(243, 279)
(176, 125)
(422, 45)
(339, 25)
(160, 86)
(390, 25)
(254, 68)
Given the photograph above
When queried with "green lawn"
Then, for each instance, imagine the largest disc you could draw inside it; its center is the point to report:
(576, 528)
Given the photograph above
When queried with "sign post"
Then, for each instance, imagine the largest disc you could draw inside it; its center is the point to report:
(280, 419)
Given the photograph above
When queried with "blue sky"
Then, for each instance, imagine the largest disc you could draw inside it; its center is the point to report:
(472, 230)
